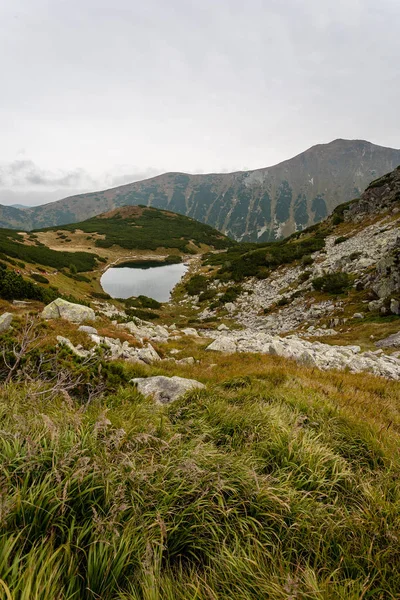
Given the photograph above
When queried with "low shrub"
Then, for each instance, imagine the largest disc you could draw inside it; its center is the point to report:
(332, 283)
(39, 278)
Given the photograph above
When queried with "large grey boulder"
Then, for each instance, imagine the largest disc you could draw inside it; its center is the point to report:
(165, 389)
(5, 321)
(393, 341)
(61, 309)
(223, 344)
(87, 329)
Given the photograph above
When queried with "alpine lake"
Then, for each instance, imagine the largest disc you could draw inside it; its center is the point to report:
(146, 278)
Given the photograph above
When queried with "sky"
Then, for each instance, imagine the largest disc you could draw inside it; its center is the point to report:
(97, 93)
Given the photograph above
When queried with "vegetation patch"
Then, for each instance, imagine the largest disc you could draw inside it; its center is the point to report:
(332, 283)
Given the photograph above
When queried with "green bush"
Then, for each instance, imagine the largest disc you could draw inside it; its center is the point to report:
(332, 283)
(307, 260)
(196, 284)
(39, 278)
(231, 294)
(340, 240)
(142, 302)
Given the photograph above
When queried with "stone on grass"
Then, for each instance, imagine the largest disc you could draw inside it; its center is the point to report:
(5, 321)
(393, 341)
(223, 344)
(62, 309)
(165, 389)
(87, 329)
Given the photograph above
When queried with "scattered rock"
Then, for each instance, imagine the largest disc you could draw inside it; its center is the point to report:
(358, 315)
(190, 331)
(63, 341)
(223, 344)
(189, 360)
(392, 341)
(87, 329)
(394, 306)
(165, 389)
(5, 321)
(147, 354)
(61, 309)
(230, 307)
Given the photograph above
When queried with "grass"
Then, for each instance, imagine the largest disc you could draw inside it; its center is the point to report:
(280, 482)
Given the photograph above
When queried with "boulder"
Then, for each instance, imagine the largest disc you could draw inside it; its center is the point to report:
(5, 321)
(165, 389)
(147, 354)
(223, 344)
(358, 315)
(63, 341)
(190, 331)
(223, 327)
(395, 306)
(87, 329)
(393, 341)
(61, 309)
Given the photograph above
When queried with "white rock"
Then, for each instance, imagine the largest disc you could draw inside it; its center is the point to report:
(63, 341)
(190, 331)
(147, 354)
(5, 321)
(223, 344)
(61, 309)
(87, 329)
(223, 327)
(165, 389)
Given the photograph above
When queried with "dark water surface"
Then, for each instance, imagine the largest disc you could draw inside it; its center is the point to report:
(155, 282)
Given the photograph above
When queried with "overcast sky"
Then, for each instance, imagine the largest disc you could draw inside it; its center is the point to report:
(95, 93)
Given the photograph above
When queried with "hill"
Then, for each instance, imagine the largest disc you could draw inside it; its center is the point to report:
(69, 261)
(147, 228)
(260, 205)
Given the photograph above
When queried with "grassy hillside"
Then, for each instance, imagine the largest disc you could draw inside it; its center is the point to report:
(276, 481)
(138, 227)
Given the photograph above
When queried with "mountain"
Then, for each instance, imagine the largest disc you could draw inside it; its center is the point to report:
(264, 204)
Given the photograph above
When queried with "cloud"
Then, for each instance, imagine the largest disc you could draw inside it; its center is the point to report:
(23, 174)
(26, 175)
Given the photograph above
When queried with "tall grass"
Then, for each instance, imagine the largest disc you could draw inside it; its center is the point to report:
(258, 487)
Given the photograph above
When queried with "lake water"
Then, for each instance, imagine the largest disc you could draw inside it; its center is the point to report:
(154, 282)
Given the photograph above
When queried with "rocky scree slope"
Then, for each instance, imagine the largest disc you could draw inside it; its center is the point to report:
(313, 297)
(263, 204)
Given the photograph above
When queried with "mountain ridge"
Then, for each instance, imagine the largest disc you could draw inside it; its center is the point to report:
(262, 204)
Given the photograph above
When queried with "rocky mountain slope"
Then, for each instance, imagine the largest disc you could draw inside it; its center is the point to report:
(264, 204)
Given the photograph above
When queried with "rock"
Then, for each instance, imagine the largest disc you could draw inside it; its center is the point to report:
(189, 360)
(147, 354)
(66, 342)
(61, 309)
(375, 305)
(230, 307)
(223, 344)
(393, 341)
(175, 351)
(190, 331)
(223, 327)
(394, 306)
(358, 315)
(5, 321)
(87, 329)
(165, 389)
